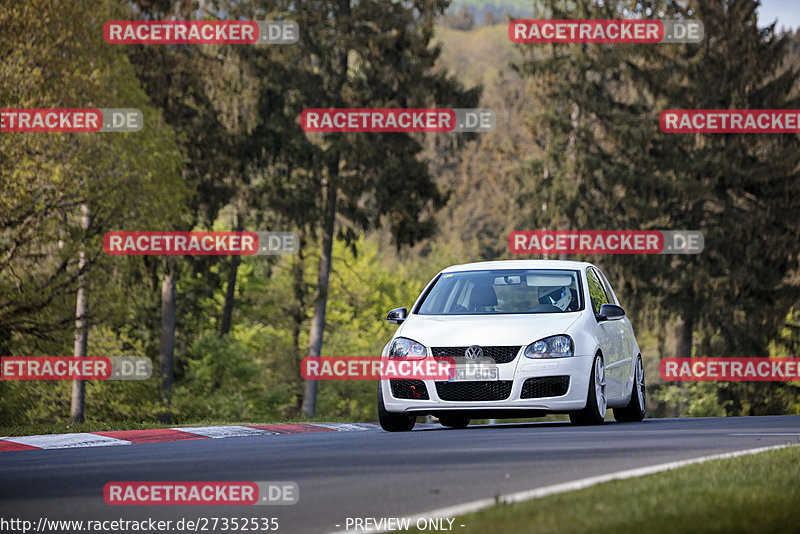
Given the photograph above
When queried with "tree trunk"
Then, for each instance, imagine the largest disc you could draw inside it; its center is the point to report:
(298, 314)
(230, 293)
(575, 118)
(331, 191)
(321, 293)
(78, 403)
(564, 226)
(683, 337)
(167, 348)
(683, 349)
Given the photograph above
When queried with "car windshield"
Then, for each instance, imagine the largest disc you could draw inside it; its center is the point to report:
(503, 291)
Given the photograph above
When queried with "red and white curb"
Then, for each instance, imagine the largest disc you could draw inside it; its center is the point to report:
(132, 437)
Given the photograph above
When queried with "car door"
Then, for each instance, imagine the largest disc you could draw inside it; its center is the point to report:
(610, 336)
(628, 337)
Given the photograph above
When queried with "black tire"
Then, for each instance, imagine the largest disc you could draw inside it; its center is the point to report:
(637, 406)
(590, 415)
(393, 422)
(454, 421)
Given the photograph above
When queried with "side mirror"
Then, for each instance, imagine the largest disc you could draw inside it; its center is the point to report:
(610, 312)
(397, 316)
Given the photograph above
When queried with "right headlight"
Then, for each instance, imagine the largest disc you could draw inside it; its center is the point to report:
(551, 347)
(407, 348)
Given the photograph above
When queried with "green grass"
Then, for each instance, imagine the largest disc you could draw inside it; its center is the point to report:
(99, 426)
(750, 494)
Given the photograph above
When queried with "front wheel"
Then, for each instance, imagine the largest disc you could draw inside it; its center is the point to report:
(634, 411)
(393, 422)
(595, 411)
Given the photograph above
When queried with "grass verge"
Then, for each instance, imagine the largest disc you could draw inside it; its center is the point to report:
(758, 493)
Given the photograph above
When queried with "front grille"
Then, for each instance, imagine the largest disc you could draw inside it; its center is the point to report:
(409, 389)
(498, 354)
(491, 390)
(545, 386)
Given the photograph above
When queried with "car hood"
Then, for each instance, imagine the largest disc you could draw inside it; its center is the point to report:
(485, 330)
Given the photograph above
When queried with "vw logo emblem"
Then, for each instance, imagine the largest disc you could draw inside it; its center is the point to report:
(473, 352)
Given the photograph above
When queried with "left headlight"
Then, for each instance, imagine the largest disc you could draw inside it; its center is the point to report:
(407, 348)
(551, 347)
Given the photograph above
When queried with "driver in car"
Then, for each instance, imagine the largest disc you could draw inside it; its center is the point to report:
(563, 298)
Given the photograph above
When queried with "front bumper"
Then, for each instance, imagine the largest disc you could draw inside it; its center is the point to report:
(577, 368)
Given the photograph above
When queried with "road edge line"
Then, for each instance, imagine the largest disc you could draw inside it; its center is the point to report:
(575, 485)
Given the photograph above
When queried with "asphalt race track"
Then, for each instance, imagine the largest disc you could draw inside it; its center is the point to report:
(367, 473)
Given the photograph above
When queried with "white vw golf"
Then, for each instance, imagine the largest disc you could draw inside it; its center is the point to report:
(528, 338)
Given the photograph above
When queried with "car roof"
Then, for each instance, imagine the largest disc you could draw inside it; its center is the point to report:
(518, 264)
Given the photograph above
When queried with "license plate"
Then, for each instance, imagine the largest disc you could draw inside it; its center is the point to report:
(472, 374)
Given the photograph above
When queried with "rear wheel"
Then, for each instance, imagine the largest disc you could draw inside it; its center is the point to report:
(634, 411)
(454, 421)
(595, 411)
(393, 422)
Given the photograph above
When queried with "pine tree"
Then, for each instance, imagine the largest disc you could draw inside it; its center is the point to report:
(370, 54)
(609, 167)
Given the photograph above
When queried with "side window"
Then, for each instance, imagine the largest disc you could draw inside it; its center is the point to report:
(606, 287)
(596, 291)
